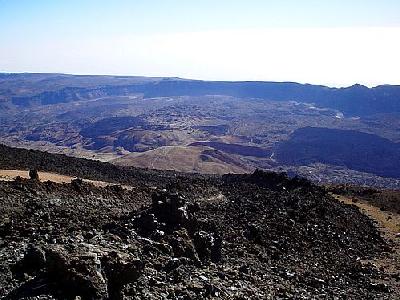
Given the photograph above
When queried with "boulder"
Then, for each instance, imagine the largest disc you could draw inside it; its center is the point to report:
(33, 174)
(76, 274)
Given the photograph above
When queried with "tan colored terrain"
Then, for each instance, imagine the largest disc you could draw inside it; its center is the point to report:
(185, 159)
(9, 175)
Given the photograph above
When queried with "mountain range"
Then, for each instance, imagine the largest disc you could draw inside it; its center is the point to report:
(326, 134)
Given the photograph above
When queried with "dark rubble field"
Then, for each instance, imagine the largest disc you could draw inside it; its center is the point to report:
(258, 236)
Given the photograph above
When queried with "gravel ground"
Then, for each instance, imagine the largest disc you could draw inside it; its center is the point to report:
(258, 236)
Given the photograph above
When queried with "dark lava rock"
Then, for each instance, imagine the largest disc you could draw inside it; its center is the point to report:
(255, 236)
(33, 174)
(170, 208)
(34, 259)
(120, 270)
(76, 274)
(208, 245)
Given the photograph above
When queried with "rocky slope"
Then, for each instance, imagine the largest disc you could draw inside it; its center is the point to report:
(176, 236)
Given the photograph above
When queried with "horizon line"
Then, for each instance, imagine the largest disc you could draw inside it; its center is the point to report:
(192, 79)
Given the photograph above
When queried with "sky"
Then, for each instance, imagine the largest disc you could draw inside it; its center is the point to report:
(330, 42)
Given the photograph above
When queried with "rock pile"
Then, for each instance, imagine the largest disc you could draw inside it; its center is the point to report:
(172, 219)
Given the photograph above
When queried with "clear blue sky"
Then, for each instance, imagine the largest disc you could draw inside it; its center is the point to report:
(28, 27)
(87, 17)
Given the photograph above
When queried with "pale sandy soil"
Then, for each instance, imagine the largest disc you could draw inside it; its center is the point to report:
(8, 175)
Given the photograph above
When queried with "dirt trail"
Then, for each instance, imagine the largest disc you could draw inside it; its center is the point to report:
(9, 175)
(389, 225)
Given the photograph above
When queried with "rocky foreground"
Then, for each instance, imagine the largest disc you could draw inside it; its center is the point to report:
(259, 236)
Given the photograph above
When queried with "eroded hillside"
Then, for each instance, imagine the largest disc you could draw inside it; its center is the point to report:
(216, 127)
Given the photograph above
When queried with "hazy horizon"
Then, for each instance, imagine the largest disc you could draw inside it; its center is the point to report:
(333, 44)
(195, 79)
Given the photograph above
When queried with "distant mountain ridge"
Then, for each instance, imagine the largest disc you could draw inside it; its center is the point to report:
(356, 100)
(356, 150)
(340, 135)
